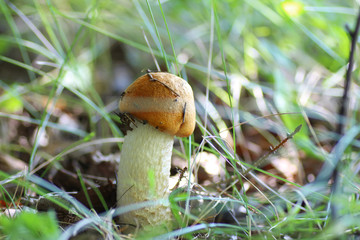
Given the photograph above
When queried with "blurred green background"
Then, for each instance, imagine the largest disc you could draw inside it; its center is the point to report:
(272, 64)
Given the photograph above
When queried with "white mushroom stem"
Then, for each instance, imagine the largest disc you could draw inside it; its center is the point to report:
(143, 174)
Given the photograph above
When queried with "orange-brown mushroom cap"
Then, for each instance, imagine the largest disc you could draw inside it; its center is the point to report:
(163, 100)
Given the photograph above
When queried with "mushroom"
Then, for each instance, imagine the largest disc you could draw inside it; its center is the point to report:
(162, 106)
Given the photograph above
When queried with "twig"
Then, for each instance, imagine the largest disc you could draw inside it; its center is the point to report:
(263, 158)
(343, 111)
(148, 72)
(345, 98)
(182, 172)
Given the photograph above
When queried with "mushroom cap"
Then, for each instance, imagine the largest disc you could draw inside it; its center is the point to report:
(163, 100)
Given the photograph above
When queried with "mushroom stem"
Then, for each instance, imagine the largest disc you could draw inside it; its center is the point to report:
(143, 174)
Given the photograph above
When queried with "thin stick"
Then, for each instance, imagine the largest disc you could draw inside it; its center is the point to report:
(345, 98)
(164, 84)
(343, 111)
(263, 158)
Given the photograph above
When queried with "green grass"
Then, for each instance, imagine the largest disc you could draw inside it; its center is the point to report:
(258, 70)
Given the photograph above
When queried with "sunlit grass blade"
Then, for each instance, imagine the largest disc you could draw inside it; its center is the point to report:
(170, 39)
(158, 36)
